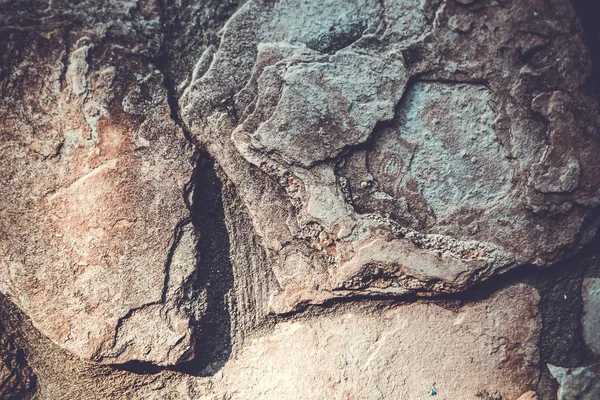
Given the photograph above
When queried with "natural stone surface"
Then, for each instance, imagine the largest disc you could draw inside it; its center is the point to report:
(581, 383)
(528, 396)
(213, 199)
(93, 245)
(590, 292)
(485, 164)
(445, 147)
(400, 353)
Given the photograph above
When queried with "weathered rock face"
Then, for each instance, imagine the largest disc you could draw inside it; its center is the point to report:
(590, 292)
(93, 241)
(531, 395)
(296, 199)
(577, 383)
(401, 353)
(404, 146)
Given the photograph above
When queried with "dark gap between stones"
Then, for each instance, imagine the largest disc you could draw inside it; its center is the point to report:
(212, 328)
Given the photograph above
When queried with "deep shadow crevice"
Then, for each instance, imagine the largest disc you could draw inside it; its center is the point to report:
(207, 298)
(214, 277)
(588, 12)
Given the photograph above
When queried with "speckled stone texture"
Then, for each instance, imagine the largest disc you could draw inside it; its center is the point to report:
(93, 244)
(399, 163)
(399, 353)
(590, 292)
(223, 199)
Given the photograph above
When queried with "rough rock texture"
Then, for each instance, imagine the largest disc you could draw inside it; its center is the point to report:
(590, 292)
(93, 239)
(17, 380)
(394, 161)
(223, 199)
(400, 353)
(528, 396)
(581, 383)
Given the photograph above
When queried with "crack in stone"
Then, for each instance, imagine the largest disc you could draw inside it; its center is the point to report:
(177, 235)
(209, 348)
(495, 283)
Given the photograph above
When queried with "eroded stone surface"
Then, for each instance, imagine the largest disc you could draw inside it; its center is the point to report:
(444, 152)
(92, 243)
(323, 104)
(590, 292)
(485, 164)
(577, 383)
(364, 148)
(531, 395)
(400, 353)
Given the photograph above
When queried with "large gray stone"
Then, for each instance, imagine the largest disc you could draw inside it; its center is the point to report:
(405, 146)
(581, 383)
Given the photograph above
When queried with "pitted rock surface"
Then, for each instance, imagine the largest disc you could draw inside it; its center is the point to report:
(422, 147)
(93, 245)
(222, 199)
(590, 292)
(363, 354)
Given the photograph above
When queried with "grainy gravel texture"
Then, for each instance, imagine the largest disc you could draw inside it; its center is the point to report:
(222, 199)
